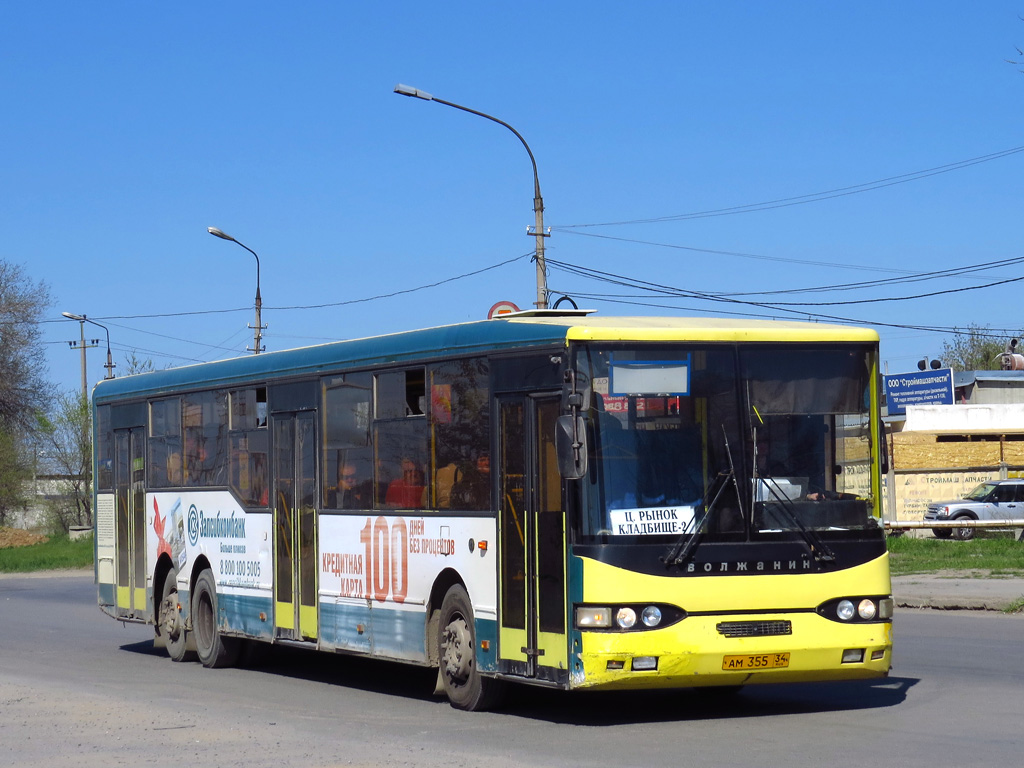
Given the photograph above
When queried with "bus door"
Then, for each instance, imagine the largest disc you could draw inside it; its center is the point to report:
(295, 528)
(130, 491)
(532, 600)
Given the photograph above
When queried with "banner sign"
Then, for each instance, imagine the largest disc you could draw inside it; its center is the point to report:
(934, 387)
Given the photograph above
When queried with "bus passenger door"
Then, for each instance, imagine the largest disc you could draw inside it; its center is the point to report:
(532, 600)
(130, 489)
(295, 534)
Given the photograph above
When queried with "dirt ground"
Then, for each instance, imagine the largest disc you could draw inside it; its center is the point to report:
(15, 537)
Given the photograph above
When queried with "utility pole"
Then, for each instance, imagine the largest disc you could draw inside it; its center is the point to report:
(81, 345)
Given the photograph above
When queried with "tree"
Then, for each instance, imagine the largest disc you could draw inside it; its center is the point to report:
(15, 472)
(135, 364)
(974, 349)
(67, 440)
(23, 387)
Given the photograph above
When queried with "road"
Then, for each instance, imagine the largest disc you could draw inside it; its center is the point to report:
(78, 688)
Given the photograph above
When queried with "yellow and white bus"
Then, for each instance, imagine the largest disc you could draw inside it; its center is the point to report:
(549, 497)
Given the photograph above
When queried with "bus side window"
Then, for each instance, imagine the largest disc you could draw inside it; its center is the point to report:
(249, 443)
(347, 452)
(205, 423)
(460, 433)
(165, 443)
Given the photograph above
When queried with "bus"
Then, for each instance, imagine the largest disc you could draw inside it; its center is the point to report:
(551, 498)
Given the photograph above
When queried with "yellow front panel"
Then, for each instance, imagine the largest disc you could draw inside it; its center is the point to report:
(691, 652)
(761, 590)
(124, 597)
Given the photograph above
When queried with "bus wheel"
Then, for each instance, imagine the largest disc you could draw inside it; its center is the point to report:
(169, 622)
(214, 649)
(456, 652)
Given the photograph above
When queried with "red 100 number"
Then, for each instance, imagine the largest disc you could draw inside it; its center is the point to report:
(387, 559)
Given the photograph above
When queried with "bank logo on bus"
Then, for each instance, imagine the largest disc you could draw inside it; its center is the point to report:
(193, 525)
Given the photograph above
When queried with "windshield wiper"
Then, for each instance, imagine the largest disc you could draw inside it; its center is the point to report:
(819, 549)
(684, 547)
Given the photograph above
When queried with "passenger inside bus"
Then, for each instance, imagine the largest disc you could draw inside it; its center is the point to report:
(350, 491)
(472, 489)
(407, 491)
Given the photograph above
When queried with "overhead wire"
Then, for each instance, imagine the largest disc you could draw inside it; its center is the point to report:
(813, 197)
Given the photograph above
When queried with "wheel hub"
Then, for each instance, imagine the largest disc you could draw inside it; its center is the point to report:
(170, 620)
(458, 650)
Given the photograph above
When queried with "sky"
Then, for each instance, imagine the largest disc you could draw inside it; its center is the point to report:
(726, 153)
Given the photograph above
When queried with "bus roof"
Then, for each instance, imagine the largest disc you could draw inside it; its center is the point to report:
(517, 331)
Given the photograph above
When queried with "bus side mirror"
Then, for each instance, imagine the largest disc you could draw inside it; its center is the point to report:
(571, 447)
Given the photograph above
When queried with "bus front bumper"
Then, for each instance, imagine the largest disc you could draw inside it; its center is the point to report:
(696, 652)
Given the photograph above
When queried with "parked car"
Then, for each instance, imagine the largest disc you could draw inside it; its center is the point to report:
(994, 500)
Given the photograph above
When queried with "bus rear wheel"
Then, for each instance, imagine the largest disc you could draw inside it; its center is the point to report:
(456, 652)
(213, 648)
(170, 626)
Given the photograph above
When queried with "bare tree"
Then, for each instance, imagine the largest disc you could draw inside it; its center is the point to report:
(67, 441)
(135, 364)
(23, 386)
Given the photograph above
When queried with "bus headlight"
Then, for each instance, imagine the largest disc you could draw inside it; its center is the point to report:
(625, 618)
(867, 610)
(857, 609)
(845, 610)
(632, 617)
(651, 616)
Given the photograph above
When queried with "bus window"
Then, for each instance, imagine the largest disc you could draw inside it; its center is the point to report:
(400, 394)
(104, 450)
(460, 434)
(205, 422)
(165, 443)
(249, 465)
(348, 457)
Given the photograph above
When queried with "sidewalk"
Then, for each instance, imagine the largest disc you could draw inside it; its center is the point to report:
(956, 590)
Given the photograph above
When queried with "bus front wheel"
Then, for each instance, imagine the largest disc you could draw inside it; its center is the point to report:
(213, 648)
(169, 622)
(456, 646)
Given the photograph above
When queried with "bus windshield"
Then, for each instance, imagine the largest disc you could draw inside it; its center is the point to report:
(731, 441)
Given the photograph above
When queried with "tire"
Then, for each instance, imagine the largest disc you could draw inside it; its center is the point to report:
(456, 653)
(213, 648)
(963, 534)
(942, 533)
(170, 626)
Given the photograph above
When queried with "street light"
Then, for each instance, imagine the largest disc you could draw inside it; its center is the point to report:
(82, 319)
(258, 329)
(538, 202)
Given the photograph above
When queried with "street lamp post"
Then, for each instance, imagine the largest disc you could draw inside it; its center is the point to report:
(257, 346)
(82, 320)
(538, 201)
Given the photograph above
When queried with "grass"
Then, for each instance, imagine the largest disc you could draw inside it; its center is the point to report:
(59, 553)
(990, 555)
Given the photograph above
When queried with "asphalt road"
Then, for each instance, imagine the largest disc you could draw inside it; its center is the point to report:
(78, 688)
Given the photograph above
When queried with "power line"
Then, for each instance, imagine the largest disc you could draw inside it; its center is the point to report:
(813, 197)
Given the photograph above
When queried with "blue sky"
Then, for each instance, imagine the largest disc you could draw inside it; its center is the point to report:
(128, 128)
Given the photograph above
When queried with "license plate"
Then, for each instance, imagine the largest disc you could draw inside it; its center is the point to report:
(756, 661)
